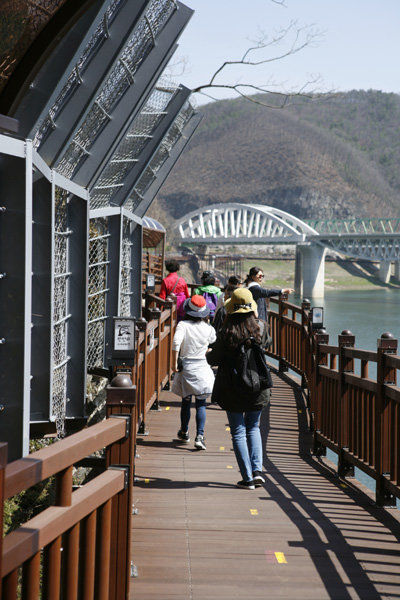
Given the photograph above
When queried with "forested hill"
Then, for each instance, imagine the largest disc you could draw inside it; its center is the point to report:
(332, 157)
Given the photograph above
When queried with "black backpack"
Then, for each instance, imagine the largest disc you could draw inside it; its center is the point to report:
(251, 373)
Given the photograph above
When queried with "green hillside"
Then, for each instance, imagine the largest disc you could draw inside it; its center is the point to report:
(325, 158)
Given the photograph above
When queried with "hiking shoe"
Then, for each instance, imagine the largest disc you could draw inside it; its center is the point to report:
(199, 443)
(183, 436)
(246, 485)
(258, 478)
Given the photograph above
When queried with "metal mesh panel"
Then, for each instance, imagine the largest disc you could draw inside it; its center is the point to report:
(98, 266)
(126, 271)
(117, 83)
(129, 149)
(173, 135)
(74, 79)
(60, 311)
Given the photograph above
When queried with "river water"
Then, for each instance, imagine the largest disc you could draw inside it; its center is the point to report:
(367, 314)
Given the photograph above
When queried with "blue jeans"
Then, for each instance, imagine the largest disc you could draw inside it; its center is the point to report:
(200, 414)
(247, 444)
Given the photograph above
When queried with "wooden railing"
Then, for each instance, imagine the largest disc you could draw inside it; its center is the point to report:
(81, 545)
(79, 548)
(355, 416)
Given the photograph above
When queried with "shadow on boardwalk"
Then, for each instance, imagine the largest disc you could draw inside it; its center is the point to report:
(342, 530)
(305, 534)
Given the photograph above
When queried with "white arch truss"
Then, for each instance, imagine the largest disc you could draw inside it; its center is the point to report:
(242, 223)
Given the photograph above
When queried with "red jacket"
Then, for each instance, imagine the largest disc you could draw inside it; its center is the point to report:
(168, 283)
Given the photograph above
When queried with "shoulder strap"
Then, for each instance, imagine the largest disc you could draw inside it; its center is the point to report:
(176, 283)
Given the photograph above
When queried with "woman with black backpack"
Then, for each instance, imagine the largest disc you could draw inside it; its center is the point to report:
(243, 405)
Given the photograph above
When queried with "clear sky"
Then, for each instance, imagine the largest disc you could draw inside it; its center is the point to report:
(358, 48)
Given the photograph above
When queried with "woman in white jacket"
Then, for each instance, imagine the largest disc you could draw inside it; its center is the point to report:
(193, 376)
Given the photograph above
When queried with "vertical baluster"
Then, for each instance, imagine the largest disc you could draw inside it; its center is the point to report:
(52, 570)
(71, 564)
(88, 557)
(31, 578)
(10, 585)
(103, 552)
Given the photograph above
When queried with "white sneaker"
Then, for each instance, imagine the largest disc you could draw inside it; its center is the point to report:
(199, 443)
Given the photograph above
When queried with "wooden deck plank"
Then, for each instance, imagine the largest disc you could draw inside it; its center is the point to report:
(198, 537)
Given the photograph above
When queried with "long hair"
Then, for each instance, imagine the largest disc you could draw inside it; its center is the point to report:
(253, 271)
(238, 327)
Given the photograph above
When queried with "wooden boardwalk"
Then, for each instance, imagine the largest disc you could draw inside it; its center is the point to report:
(305, 534)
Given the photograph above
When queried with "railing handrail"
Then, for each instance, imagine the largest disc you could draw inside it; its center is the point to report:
(21, 544)
(38, 466)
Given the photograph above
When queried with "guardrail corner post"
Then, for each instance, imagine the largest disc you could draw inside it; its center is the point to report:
(384, 435)
(317, 358)
(283, 312)
(305, 346)
(346, 365)
(121, 403)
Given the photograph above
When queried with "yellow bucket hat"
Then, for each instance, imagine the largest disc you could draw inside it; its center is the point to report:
(241, 301)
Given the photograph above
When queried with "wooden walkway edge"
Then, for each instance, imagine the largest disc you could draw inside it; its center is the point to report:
(306, 534)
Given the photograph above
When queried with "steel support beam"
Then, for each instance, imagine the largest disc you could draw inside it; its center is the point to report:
(78, 261)
(43, 210)
(15, 300)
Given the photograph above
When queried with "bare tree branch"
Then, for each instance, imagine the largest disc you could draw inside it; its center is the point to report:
(301, 37)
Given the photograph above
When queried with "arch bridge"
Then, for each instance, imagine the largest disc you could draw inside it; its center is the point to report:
(234, 223)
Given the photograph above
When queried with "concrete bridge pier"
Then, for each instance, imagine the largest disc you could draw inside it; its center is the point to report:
(385, 271)
(397, 269)
(310, 270)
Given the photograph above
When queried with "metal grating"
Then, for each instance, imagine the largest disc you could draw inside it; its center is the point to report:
(128, 151)
(75, 78)
(98, 268)
(116, 84)
(150, 173)
(126, 270)
(60, 310)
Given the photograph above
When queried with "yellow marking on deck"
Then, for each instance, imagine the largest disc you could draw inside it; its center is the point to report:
(280, 557)
(229, 467)
(147, 480)
(167, 407)
(300, 411)
(222, 447)
(227, 428)
(343, 485)
(253, 511)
